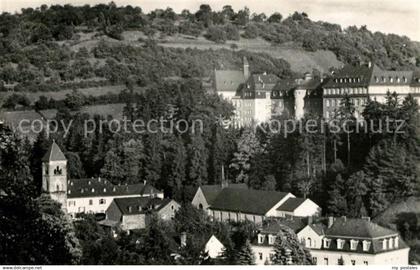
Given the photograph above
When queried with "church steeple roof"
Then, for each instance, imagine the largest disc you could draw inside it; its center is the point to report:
(54, 153)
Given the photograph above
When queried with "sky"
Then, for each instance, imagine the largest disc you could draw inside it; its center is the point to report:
(389, 16)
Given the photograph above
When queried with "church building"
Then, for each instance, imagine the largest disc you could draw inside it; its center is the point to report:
(90, 195)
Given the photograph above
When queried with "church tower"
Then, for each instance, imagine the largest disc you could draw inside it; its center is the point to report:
(54, 175)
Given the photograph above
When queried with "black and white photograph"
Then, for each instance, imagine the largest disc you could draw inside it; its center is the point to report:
(211, 133)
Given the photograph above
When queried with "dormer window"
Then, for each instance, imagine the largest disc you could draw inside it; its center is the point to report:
(405, 79)
(353, 244)
(391, 79)
(104, 189)
(261, 238)
(327, 242)
(398, 79)
(130, 209)
(396, 242)
(383, 79)
(366, 245)
(340, 243)
(114, 189)
(93, 190)
(81, 191)
(376, 79)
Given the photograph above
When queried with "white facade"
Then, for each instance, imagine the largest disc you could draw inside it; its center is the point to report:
(263, 254)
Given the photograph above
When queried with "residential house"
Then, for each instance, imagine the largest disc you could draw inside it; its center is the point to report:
(352, 241)
(134, 213)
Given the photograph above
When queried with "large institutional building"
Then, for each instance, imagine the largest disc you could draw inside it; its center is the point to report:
(259, 97)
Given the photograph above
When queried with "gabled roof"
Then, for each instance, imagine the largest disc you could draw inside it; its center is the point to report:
(228, 80)
(210, 192)
(319, 228)
(357, 227)
(54, 153)
(247, 200)
(100, 187)
(291, 204)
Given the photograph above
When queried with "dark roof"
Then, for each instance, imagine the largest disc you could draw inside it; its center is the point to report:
(265, 78)
(273, 225)
(211, 191)
(291, 204)
(383, 77)
(54, 154)
(100, 187)
(375, 247)
(357, 227)
(228, 80)
(140, 205)
(247, 200)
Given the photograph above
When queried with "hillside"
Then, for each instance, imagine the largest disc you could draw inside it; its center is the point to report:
(56, 49)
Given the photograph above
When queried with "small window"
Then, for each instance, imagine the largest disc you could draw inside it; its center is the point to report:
(260, 255)
(353, 262)
(314, 260)
(102, 201)
(326, 261)
(366, 245)
(90, 202)
(353, 244)
(365, 262)
(260, 238)
(327, 242)
(340, 243)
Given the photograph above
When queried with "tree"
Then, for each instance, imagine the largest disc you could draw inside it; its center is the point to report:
(75, 100)
(275, 18)
(288, 250)
(378, 200)
(356, 190)
(197, 166)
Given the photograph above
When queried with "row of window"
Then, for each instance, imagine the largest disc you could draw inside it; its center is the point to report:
(73, 202)
(271, 238)
(336, 102)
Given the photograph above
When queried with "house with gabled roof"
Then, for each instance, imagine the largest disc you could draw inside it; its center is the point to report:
(90, 195)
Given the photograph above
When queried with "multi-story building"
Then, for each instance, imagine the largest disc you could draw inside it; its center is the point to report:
(259, 97)
(348, 241)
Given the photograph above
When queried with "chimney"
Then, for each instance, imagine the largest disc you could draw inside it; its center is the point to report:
(183, 239)
(224, 182)
(330, 221)
(246, 68)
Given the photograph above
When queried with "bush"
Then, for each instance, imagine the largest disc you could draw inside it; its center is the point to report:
(251, 31)
(216, 34)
